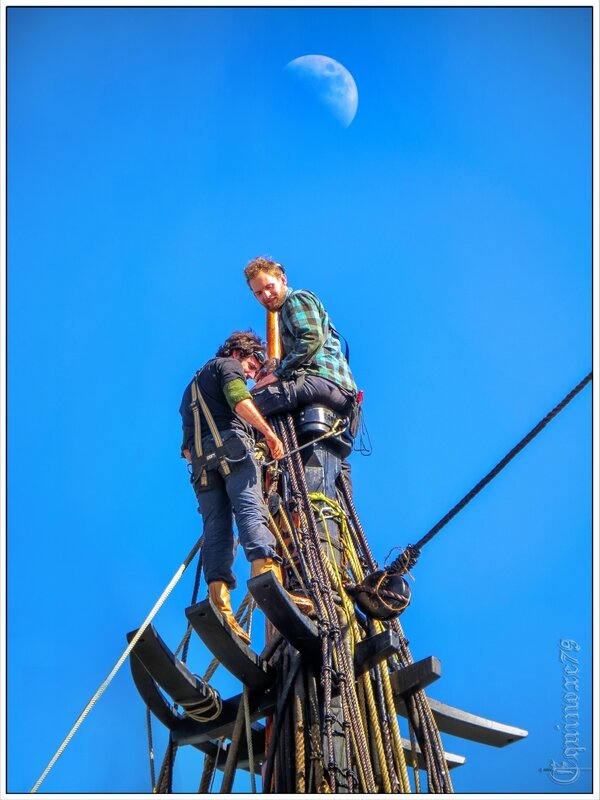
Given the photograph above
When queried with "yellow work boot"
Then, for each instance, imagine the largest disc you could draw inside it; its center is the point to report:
(218, 591)
(262, 565)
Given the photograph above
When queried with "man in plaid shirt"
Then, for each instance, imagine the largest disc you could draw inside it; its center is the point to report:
(313, 368)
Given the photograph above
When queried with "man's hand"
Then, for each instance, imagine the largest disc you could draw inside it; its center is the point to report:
(271, 378)
(247, 411)
(188, 456)
(269, 366)
(275, 445)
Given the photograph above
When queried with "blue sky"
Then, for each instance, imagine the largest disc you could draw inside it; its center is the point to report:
(151, 153)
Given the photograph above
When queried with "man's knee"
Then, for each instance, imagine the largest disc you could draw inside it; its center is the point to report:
(277, 398)
(320, 390)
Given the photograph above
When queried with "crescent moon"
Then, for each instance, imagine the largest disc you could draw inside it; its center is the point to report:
(331, 82)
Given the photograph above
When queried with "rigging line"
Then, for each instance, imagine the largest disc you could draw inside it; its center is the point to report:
(414, 548)
(150, 749)
(189, 558)
(336, 430)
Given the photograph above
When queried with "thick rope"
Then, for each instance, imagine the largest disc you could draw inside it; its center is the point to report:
(407, 559)
(150, 749)
(165, 776)
(431, 743)
(279, 711)
(233, 752)
(345, 668)
(208, 772)
(413, 758)
(249, 739)
(317, 767)
(299, 727)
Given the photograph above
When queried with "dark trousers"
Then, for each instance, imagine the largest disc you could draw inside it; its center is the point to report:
(285, 396)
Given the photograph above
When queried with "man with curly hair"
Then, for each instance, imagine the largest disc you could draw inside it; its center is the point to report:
(219, 416)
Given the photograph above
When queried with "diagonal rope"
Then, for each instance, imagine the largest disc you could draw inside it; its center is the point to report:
(407, 559)
(189, 558)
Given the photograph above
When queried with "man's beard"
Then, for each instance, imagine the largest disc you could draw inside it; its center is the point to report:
(276, 304)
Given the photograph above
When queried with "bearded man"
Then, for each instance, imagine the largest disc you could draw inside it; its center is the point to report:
(313, 368)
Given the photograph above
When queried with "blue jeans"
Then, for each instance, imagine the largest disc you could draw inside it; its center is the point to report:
(240, 495)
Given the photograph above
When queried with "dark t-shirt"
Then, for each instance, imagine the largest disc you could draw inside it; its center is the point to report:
(214, 375)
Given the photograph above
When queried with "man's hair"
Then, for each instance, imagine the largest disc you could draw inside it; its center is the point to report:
(247, 342)
(263, 264)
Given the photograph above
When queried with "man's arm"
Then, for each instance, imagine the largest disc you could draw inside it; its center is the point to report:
(250, 413)
(304, 318)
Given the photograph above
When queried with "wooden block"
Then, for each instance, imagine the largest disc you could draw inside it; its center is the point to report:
(374, 650)
(415, 676)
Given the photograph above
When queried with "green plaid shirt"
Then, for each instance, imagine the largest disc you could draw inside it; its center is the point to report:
(309, 341)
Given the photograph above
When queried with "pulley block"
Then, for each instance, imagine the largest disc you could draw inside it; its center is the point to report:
(382, 595)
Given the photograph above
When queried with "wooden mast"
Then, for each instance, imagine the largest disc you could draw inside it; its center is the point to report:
(273, 340)
(273, 351)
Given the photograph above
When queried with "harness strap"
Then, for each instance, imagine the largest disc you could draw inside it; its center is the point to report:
(197, 399)
(197, 421)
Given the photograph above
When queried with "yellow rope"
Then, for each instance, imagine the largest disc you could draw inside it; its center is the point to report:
(358, 574)
(353, 562)
(366, 776)
(393, 721)
(300, 753)
(376, 728)
(284, 547)
(413, 759)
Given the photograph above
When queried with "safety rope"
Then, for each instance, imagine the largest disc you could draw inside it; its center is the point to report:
(155, 609)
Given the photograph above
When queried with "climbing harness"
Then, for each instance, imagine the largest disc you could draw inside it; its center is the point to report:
(227, 452)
